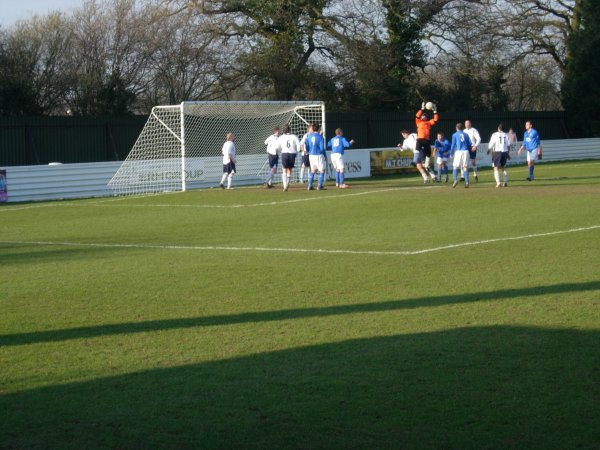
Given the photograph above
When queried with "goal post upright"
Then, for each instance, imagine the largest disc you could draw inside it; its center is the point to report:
(183, 173)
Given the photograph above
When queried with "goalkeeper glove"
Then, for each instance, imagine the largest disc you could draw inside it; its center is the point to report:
(434, 107)
(422, 105)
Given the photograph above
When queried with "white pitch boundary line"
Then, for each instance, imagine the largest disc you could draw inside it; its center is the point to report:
(70, 203)
(283, 202)
(301, 250)
(112, 201)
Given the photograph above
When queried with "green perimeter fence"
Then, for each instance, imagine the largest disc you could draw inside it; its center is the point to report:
(41, 140)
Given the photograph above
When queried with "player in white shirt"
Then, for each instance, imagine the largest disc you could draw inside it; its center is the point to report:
(290, 146)
(305, 167)
(273, 150)
(228, 151)
(475, 141)
(409, 143)
(499, 146)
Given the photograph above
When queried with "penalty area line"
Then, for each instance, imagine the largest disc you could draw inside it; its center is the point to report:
(297, 250)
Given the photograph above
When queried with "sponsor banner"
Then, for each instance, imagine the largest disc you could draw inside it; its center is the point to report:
(163, 170)
(384, 162)
(194, 171)
(483, 158)
(3, 186)
(357, 164)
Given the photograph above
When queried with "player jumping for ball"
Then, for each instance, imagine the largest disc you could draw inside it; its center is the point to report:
(424, 124)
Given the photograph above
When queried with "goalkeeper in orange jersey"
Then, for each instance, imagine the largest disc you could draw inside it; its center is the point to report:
(426, 117)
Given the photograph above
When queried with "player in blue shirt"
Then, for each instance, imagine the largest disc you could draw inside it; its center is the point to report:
(338, 144)
(461, 144)
(315, 146)
(442, 148)
(533, 145)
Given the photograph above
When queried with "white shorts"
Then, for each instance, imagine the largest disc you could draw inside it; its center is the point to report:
(317, 162)
(532, 155)
(439, 160)
(461, 159)
(337, 160)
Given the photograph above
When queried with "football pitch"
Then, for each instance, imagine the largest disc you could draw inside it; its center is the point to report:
(389, 315)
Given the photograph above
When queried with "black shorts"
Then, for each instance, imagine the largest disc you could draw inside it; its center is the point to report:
(288, 160)
(305, 160)
(273, 160)
(499, 159)
(473, 155)
(229, 168)
(424, 149)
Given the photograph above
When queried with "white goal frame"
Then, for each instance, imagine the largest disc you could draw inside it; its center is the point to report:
(180, 145)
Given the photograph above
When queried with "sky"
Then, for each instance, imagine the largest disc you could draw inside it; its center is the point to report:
(13, 10)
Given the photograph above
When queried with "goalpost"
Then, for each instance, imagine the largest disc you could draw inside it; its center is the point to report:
(180, 145)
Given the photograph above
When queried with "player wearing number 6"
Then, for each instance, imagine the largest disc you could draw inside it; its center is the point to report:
(338, 144)
(498, 145)
(290, 145)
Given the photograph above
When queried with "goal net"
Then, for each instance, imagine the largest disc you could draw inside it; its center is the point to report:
(180, 146)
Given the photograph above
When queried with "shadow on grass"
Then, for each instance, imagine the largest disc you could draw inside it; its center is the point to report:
(14, 254)
(289, 314)
(489, 387)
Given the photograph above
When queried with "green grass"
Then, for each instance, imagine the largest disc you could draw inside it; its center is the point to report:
(222, 319)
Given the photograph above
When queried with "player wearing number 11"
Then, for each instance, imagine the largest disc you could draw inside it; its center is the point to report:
(498, 145)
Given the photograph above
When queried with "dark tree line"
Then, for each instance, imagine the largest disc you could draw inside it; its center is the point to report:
(124, 56)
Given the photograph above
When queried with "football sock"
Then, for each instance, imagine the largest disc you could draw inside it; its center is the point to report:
(439, 173)
(497, 176)
(301, 174)
(454, 174)
(224, 178)
(341, 178)
(505, 173)
(321, 179)
(311, 179)
(229, 177)
(530, 171)
(467, 176)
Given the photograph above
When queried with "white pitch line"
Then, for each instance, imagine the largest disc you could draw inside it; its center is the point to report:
(283, 202)
(112, 201)
(21, 208)
(301, 250)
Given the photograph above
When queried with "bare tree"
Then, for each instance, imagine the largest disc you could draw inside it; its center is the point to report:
(188, 61)
(112, 56)
(35, 55)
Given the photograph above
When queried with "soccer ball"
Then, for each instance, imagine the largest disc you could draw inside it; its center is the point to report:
(428, 105)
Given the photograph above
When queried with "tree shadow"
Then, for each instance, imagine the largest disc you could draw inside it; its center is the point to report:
(289, 314)
(487, 387)
(14, 254)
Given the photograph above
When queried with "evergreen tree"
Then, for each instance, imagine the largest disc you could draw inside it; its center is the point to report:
(581, 86)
